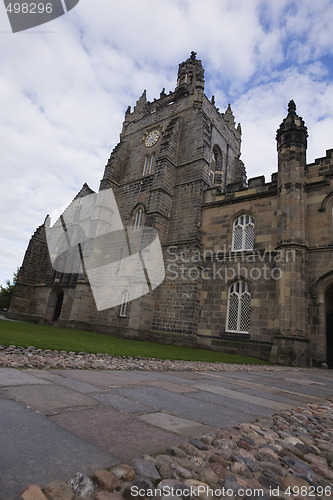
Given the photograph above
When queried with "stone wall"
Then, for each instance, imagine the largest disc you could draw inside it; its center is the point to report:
(195, 191)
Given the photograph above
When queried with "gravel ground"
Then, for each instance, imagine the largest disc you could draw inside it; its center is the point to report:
(30, 357)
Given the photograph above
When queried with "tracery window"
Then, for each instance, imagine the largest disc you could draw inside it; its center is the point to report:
(239, 307)
(138, 219)
(243, 233)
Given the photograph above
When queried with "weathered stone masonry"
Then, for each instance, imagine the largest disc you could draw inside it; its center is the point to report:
(249, 265)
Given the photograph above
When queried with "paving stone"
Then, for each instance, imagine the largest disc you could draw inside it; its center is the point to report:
(10, 378)
(48, 397)
(234, 411)
(170, 386)
(65, 380)
(111, 430)
(173, 423)
(245, 398)
(122, 404)
(306, 430)
(34, 449)
(184, 406)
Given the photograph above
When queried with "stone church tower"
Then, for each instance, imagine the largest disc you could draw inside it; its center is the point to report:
(248, 263)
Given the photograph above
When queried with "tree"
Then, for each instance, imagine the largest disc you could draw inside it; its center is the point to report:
(6, 292)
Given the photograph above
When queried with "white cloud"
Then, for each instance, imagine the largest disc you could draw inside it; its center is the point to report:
(262, 109)
(64, 88)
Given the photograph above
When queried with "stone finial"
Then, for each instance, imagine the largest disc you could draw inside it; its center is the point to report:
(193, 56)
(229, 116)
(291, 107)
(228, 111)
(292, 129)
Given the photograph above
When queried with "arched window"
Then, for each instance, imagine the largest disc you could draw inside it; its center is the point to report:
(138, 219)
(149, 165)
(145, 166)
(123, 305)
(58, 306)
(243, 233)
(215, 168)
(239, 307)
(217, 158)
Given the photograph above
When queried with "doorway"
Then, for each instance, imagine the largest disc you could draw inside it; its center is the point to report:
(329, 326)
(58, 306)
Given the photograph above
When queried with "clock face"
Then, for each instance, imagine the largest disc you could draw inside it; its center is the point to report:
(152, 138)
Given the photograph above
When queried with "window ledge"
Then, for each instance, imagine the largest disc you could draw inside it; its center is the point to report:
(234, 336)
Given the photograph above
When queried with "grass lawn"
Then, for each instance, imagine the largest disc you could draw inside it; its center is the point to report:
(63, 339)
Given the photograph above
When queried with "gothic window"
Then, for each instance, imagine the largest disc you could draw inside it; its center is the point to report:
(149, 165)
(124, 305)
(239, 307)
(216, 163)
(217, 158)
(145, 166)
(138, 219)
(243, 233)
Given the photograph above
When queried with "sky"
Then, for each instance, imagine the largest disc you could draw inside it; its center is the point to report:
(65, 86)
